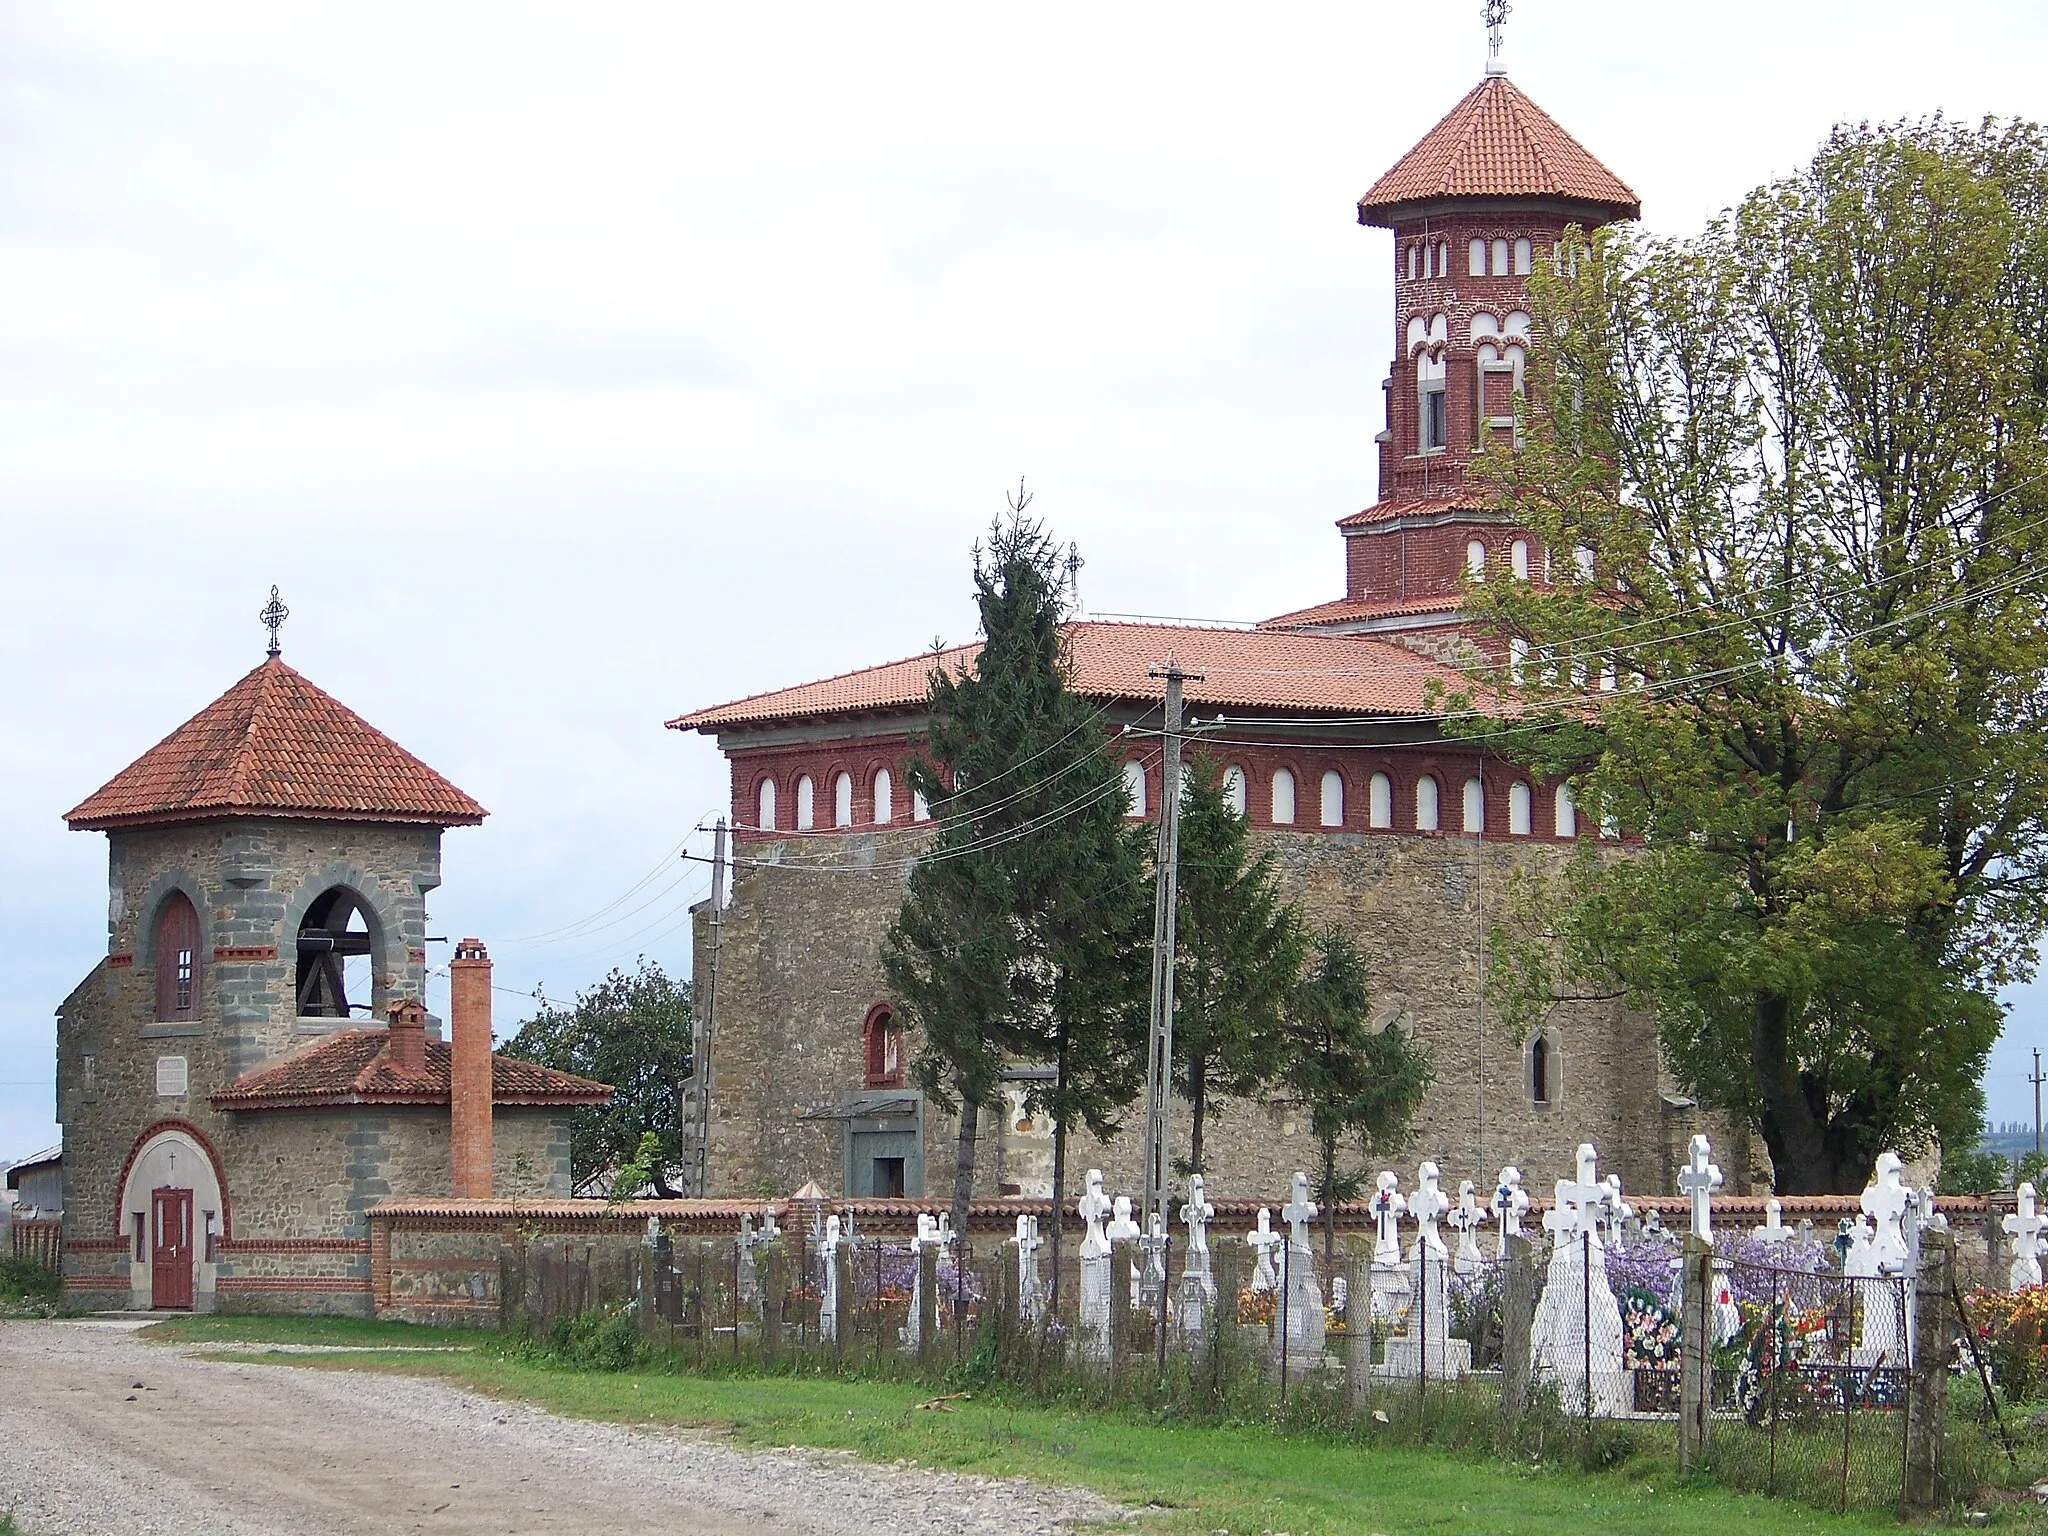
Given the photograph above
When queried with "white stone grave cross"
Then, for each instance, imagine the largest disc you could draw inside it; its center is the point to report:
(748, 1282)
(1426, 1205)
(1885, 1202)
(1153, 1246)
(1577, 1211)
(1774, 1229)
(1121, 1228)
(1509, 1201)
(1699, 1178)
(1387, 1207)
(769, 1231)
(1028, 1244)
(1196, 1215)
(1197, 1283)
(1093, 1207)
(1262, 1240)
(1618, 1212)
(1298, 1212)
(1465, 1219)
(828, 1289)
(2024, 1228)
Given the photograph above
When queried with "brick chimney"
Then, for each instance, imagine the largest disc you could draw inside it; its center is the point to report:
(469, 1070)
(408, 1047)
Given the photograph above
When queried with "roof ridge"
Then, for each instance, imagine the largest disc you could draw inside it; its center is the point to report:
(836, 677)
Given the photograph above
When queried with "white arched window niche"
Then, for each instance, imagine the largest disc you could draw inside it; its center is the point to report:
(1582, 557)
(1500, 258)
(1283, 797)
(1426, 804)
(1475, 262)
(764, 806)
(1443, 258)
(1234, 789)
(806, 809)
(1475, 805)
(1521, 810)
(1565, 812)
(1414, 262)
(920, 808)
(1475, 559)
(842, 800)
(1518, 559)
(1333, 798)
(1381, 801)
(1518, 658)
(885, 797)
(1134, 789)
(1524, 255)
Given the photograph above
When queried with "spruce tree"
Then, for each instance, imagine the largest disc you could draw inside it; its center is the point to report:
(1239, 957)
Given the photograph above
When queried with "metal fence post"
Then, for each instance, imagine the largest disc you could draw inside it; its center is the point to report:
(1927, 1383)
(1517, 1319)
(1695, 1353)
(842, 1298)
(771, 1300)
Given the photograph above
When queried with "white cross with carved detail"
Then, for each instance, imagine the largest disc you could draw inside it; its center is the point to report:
(1509, 1201)
(1298, 1213)
(1121, 1228)
(1699, 1179)
(769, 1231)
(1618, 1211)
(1387, 1206)
(1262, 1240)
(1774, 1229)
(1426, 1205)
(1579, 1201)
(1093, 1207)
(2024, 1228)
(1465, 1219)
(1196, 1216)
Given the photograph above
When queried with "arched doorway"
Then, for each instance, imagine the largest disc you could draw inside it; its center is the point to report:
(173, 1216)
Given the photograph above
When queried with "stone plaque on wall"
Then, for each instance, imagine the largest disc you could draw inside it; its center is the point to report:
(172, 1078)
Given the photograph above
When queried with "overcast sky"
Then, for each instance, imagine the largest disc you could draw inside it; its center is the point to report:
(570, 368)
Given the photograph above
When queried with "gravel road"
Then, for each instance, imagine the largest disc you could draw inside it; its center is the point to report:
(109, 1436)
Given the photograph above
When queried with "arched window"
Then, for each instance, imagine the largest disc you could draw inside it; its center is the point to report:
(1475, 558)
(882, 1048)
(1134, 788)
(920, 808)
(1542, 1071)
(1233, 789)
(1518, 559)
(1443, 259)
(177, 959)
(1476, 264)
(1521, 810)
(885, 798)
(1524, 255)
(1583, 558)
(842, 800)
(1500, 258)
(1518, 658)
(334, 957)
(1333, 798)
(764, 806)
(1425, 804)
(1565, 812)
(1475, 805)
(805, 811)
(1414, 262)
(1381, 795)
(1283, 798)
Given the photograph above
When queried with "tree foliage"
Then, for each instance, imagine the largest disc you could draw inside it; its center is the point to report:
(1019, 937)
(1238, 959)
(1360, 1086)
(634, 1032)
(1804, 452)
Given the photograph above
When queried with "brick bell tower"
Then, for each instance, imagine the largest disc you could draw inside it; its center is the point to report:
(1486, 194)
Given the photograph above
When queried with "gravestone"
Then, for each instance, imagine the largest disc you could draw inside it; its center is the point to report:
(1030, 1299)
(927, 1237)
(1774, 1230)
(2024, 1230)
(1262, 1240)
(1122, 1229)
(749, 1282)
(1618, 1214)
(828, 1284)
(1306, 1328)
(1389, 1276)
(1576, 1338)
(1699, 1179)
(1427, 1349)
(1197, 1280)
(1465, 1219)
(1152, 1251)
(1093, 1318)
(1876, 1259)
(1510, 1202)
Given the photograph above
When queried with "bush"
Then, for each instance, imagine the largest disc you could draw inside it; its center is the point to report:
(607, 1339)
(2012, 1333)
(22, 1280)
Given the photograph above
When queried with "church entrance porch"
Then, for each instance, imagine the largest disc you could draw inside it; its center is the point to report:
(171, 1251)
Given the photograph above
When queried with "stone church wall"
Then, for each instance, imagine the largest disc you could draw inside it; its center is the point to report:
(800, 969)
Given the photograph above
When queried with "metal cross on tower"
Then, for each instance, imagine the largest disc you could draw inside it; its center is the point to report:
(273, 614)
(1496, 17)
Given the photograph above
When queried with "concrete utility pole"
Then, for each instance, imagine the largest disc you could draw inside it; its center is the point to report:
(707, 1019)
(2035, 1079)
(1165, 913)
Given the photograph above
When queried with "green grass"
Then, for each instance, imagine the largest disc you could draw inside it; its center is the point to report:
(1192, 1478)
(355, 1331)
(29, 1284)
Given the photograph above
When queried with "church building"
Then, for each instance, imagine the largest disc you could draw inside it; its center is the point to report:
(1401, 834)
(251, 1067)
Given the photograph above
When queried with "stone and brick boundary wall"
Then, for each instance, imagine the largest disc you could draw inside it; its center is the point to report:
(437, 1261)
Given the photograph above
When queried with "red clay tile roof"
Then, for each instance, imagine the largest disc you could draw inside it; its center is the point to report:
(353, 1067)
(1245, 669)
(1498, 143)
(276, 745)
(1387, 510)
(1344, 611)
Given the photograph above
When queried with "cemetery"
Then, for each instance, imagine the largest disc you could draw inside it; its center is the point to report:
(1840, 1363)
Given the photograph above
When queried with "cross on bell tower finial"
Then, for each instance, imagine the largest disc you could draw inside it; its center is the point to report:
(1496, 17)
(273, 614)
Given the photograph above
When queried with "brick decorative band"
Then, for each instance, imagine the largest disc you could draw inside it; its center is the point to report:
(119, 962)
(292, 1283)
(98, 1245)
(244, 954)
(296, 1245)
(96, 1283)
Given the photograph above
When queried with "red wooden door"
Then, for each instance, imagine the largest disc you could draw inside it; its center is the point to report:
(170, 1255)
